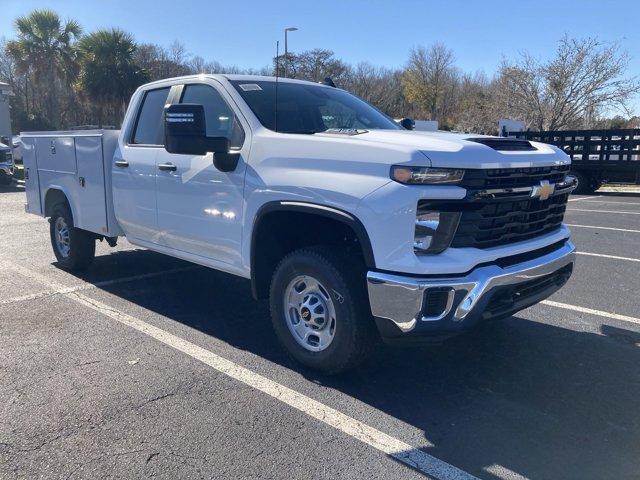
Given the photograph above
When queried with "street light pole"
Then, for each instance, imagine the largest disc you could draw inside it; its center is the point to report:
(286, 48)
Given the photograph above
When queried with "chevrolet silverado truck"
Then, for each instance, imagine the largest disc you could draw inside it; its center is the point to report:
(353, 228)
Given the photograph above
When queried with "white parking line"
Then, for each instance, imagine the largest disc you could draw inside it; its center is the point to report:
(614, 257)
(601, 211)
(387, 444)
(609, 201)
(600, 313)
(88, 286)
(583, 198)
(602, 228)
(498, 471)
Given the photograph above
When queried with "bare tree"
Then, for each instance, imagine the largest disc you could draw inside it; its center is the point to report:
(379, 86)
(584, 79)
(475, 110)
(314, 65)
(430, 79)
(160, 62)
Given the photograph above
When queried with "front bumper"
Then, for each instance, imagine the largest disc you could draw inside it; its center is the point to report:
(401, 307)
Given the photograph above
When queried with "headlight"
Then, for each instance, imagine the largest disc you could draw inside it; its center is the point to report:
(425, 175)
(434, 231)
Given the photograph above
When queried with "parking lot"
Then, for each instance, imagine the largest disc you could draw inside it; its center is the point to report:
(149, 366)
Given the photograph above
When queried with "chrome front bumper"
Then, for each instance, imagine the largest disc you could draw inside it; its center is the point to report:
(399, 298)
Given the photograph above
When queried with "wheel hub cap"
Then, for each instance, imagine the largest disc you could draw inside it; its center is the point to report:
(62, 237)
(310, 313)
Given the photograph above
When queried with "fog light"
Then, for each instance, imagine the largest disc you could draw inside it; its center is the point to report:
(426, 227)
(434, 230)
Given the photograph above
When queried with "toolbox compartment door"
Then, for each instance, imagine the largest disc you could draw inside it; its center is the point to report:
(91, 202)
(56, 154)
(31, 178)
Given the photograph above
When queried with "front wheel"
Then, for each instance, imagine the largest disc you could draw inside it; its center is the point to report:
(319, 309)
(73, 247)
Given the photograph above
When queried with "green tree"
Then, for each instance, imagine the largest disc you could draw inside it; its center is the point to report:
(44, 50)
(108, 71)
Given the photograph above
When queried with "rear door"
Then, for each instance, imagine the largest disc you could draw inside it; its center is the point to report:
(134, 169)
(200, 208)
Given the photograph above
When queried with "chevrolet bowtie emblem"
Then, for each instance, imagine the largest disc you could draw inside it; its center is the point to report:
(544, 190)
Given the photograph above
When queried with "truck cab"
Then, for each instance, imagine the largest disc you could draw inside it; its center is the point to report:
(354, 228)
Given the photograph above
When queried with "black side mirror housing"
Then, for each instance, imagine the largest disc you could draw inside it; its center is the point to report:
(185, 132)
(407, 123)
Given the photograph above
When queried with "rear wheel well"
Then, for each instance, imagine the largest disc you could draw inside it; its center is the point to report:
(280, 232)
(53, 198)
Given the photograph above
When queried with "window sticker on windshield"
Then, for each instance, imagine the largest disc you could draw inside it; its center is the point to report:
(250, 87)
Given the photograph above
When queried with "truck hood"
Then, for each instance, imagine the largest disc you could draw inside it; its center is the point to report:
(456, 150)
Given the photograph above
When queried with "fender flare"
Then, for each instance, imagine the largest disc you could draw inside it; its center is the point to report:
(315, 209)
(60, 188)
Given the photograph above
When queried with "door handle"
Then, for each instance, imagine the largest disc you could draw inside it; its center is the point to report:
(167, 167)
(121, 163)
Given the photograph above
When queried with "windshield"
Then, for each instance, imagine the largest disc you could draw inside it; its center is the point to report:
(304, 108)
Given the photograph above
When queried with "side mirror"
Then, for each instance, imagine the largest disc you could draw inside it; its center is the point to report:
(407, 123)
(185, 132)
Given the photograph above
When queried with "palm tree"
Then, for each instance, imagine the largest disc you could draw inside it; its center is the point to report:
(45, 51)
(108, 71)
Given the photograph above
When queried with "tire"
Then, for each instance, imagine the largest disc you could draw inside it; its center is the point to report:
(5, 179)
(585, 184)
(75, 249)
(346, 311)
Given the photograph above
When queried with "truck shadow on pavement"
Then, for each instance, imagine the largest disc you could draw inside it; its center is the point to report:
(518, 395)
(14, 187)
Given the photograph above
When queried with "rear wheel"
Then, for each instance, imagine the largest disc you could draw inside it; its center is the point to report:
(319, 309)
(586, 184)
(73, 247)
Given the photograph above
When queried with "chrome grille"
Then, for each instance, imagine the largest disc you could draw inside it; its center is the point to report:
(499, 208)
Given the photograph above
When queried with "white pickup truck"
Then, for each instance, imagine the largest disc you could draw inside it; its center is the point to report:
(354, 228)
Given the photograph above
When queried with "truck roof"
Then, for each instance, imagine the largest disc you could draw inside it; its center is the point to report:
(233, 77)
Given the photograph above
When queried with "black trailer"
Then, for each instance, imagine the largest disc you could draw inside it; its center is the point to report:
(597, 156)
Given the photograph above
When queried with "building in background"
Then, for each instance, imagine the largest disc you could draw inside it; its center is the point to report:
(506, 125)
(426, 125)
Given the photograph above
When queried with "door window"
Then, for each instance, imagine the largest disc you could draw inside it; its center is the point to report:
(150, 127)
(219, 117)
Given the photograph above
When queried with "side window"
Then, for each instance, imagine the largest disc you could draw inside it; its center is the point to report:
(149, 127)
(219, 117)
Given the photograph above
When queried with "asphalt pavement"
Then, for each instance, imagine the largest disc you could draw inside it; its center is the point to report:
(147, 366)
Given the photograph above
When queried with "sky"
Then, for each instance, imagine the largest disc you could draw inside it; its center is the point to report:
(244, 32)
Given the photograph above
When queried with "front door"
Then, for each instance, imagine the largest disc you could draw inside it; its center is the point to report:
(199, 207)
(134, 170)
